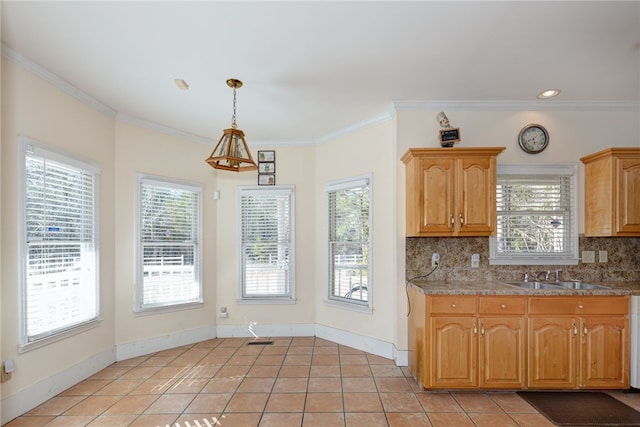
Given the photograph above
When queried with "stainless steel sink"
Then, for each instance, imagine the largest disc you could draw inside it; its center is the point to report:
(580, 285)
(557, 285)
(533, 285)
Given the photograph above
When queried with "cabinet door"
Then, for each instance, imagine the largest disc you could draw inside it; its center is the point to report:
(553, 346)
(453, 344)
(604, 352)
(476, 197)
(501, 352)
(628, 207)
(436, 199)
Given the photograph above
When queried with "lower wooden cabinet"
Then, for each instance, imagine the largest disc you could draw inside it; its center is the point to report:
(496, 342)
(482, 346)
(579, 342)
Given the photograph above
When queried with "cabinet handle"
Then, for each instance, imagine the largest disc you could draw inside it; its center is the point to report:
(481, 329)
(584, 329)
(575, 329)
(475, 329)
(503, 306)
(453, 222)
(461, 220)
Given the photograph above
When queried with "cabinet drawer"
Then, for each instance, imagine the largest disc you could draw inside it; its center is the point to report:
(579, 305)
(452, 304)
(502, 305)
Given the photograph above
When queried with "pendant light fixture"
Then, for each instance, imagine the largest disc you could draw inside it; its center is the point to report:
(232, 153)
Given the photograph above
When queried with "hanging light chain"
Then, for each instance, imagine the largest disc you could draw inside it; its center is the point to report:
(233, 118)
(235, 84)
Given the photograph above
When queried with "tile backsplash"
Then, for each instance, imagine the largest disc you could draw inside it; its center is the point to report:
(623, 260)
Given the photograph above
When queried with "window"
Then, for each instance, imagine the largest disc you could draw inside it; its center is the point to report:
(349, 242)
(266, 243)
(536, 210)
(169, 243)
(59, 286)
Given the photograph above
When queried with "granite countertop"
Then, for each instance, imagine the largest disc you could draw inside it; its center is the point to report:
(494, 287)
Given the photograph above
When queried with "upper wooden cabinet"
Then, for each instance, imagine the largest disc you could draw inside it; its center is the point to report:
(612, 192)
(451, 191)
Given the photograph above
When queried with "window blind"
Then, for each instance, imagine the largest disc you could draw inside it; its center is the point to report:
(61, 285)
(266, 243)
(348, 239)
(169, 234)
(536, 216)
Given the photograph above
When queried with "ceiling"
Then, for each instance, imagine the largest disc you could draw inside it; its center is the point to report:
(312, 69)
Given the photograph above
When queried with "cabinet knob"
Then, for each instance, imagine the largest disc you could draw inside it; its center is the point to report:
(453, 306)
(503, 305)
(580, 306)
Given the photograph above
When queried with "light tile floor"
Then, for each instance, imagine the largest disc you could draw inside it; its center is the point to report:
(299, 381)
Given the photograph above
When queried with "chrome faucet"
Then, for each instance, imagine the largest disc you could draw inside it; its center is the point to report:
(557, 273)
(526, 277)
(546, 275)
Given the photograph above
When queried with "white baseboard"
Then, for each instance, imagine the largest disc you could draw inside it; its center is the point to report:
(25, 400)
(275, 330)
(165, 342)
(370, 345)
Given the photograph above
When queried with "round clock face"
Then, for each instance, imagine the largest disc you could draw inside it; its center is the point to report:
(533, 139)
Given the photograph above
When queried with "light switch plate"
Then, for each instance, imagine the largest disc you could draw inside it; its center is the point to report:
(588, 257)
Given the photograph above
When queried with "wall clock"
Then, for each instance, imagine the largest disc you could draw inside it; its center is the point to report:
(533, 138)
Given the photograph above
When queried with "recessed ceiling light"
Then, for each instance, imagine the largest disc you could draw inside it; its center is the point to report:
(549, 93)
(181, 84)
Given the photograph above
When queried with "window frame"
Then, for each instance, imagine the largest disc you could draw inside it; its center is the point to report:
(330, 299)
(167, 183)
(27, 146)
(283, 298)
(569, 258)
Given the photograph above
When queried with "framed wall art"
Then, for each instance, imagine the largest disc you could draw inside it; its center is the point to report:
(267, 167)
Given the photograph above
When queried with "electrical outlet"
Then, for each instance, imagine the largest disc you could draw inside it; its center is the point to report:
(435, 260)
(588, 257)
(602, 256)
(475, 261)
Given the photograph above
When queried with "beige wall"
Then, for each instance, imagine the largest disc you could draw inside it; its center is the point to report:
(34, 108)
(143, 151)
(369, 151)
(294, 166)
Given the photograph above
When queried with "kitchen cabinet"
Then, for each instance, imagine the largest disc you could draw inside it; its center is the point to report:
(519, 341)
(476, 342)
(578, 342)
(451, 191)
(502, 342)
(612, 192)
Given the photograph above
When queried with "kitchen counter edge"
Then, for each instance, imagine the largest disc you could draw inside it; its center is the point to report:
(495, 287)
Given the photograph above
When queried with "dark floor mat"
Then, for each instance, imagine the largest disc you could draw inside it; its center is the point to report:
(581, 408)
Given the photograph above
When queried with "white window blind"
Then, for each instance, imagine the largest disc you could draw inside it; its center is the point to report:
(536, 216)
(349, 243)
(266, 242)
(169, 255)
(60, 286)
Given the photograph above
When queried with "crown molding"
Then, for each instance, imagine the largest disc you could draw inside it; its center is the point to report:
(157, 127)
(355, 128)
(546, 105)
(55, 80)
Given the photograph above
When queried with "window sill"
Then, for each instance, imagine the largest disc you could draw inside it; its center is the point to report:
(274, 300)
(347, 306)
(42, 342)
(168, 308)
